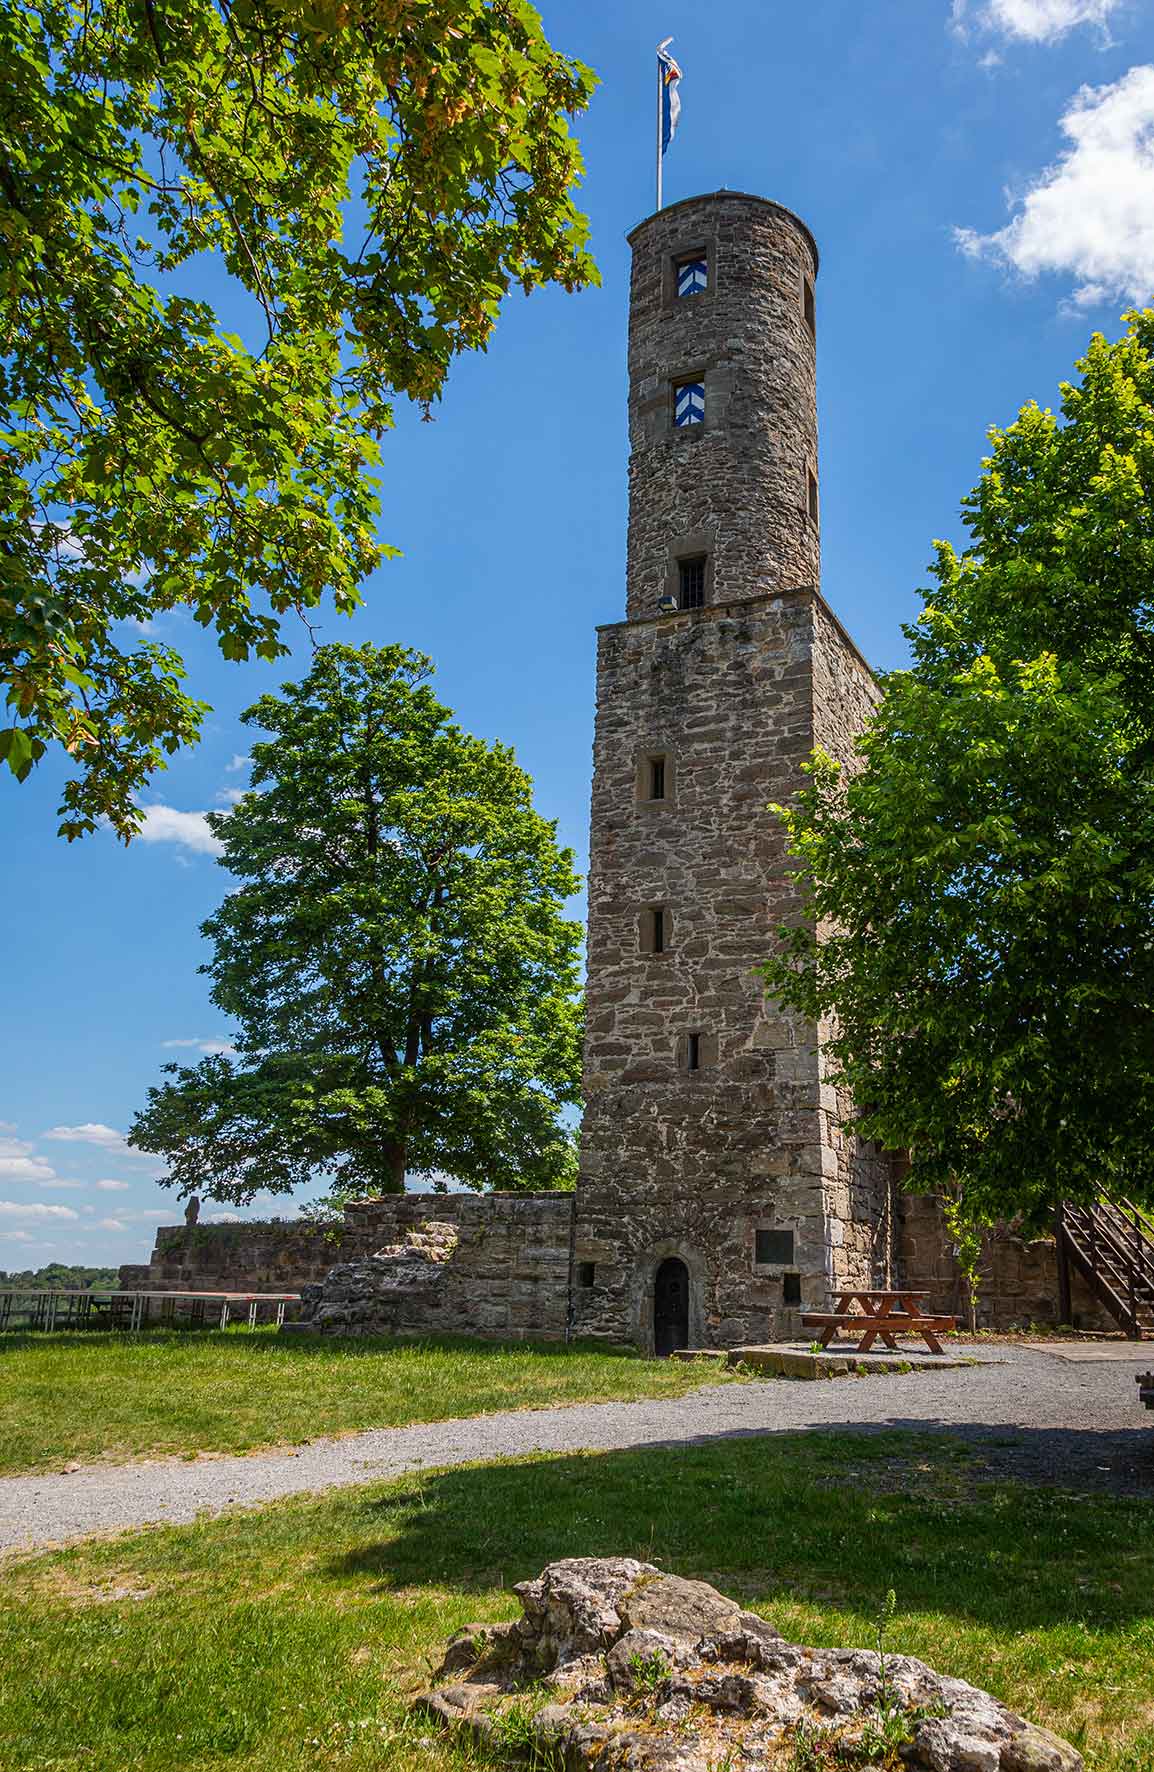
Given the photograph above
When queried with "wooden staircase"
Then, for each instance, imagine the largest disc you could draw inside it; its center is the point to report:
(1111, 1245)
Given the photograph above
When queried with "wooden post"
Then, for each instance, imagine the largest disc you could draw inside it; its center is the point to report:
(1064, 1307)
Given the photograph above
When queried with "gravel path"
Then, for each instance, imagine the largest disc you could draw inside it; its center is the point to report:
(1037, 1417)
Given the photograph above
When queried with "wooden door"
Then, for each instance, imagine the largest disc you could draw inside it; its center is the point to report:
(670, 1306)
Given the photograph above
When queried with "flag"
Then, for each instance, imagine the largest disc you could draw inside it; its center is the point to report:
(669, 75)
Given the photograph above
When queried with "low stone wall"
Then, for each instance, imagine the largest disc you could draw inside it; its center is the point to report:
(493, 1266)
(277, 1255)
(508, 1276)
(1018, 1276)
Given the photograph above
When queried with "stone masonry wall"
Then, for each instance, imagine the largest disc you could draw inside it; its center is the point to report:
(686, 1163)
(508, 1277)
(735, 487)
(1018, 1275)
(262, 1256)
(859, 1176)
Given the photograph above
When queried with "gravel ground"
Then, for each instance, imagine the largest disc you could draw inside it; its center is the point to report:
(1032, 1415)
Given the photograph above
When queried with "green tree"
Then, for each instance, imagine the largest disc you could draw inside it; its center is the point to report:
(60, 1275)
(374, 176)
(978, 931)
(394, 953)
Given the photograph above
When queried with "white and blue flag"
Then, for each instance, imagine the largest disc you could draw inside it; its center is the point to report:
(669, 74)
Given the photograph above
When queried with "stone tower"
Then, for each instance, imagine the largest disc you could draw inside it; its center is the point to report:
(719, 1194)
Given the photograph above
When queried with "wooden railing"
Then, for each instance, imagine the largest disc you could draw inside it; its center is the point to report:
(1111, 1245)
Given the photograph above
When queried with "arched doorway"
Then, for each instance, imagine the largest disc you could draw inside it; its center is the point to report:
(670, 1306)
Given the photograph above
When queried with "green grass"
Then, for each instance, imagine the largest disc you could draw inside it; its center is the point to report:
(78, 1397)
(292, 1638)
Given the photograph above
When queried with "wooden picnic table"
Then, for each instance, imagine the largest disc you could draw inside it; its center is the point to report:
(881, 1316)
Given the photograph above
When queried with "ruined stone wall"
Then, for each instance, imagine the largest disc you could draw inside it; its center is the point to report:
(1018, 1276)
(494, 1265)
(735, 487)
(508, 1276)
(260, 1256)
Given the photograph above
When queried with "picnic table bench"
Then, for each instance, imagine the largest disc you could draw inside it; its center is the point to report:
(68, 1308)
(880, 1316)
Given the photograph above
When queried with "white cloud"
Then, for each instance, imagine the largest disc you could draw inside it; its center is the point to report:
(19, 1168)
(164, 824)
(109, 1224)
(112, 1187)
(223, 1218)
(1091, 214)
(16, 1237)
(199, 1045)
(238, 763)
(1036, 21)
(59, 1181)
(33, 1209)
(89, 1132)
(231, 797)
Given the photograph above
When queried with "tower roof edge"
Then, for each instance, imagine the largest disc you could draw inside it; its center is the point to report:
(725, 197)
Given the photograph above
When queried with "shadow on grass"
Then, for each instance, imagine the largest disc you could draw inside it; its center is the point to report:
(808, 1517)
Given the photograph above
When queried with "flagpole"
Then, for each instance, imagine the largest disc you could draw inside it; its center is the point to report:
(659, 97)
(660, 109)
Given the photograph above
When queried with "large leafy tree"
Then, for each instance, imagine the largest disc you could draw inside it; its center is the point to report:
(978, 933)
(394, 953)
(373, 176)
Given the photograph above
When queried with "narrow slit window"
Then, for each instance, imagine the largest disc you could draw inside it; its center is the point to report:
(689, 403)
(586, 1273)
(791, 1288)
(693, 1053)
(653, 930)
(811, 494)
(692, 276)
(691, 582)
(809, 307)
(657, 778)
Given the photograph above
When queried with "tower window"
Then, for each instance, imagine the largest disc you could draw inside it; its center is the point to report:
(655, 777)
(773, 1248)
(693, 1053)
(811, 495)
(689, 403)
(691, 582)
(586, 1272)
(692, 276)
(655, 930)
(791, 1288)
(808, 306)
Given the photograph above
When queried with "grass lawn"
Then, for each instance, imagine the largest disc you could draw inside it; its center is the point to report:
(85, 1396)
(292, 1637)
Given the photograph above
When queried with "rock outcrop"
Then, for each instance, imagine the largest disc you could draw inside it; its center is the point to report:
(382, 1293)
(616, 1666)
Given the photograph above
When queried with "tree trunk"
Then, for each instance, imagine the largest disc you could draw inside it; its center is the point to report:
(393, 1153)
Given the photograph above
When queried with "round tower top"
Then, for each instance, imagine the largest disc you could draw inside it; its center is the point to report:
(723, 488)
(745, 197)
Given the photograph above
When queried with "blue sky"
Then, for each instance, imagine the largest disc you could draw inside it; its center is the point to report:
(980, 179)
